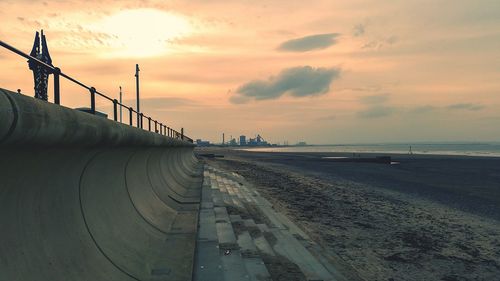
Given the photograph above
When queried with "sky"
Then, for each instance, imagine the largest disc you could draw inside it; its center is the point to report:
(320, 71)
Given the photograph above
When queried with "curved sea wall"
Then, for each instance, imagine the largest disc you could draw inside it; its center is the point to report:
(86, 198)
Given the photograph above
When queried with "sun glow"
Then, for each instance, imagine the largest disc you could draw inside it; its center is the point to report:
(142, 32)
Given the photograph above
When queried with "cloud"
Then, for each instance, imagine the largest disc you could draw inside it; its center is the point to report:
(296, 81)
(466, 106)
(423, 109)
(309, 43)
(363, 89)
(375, 99)
(380, 43)
(376, 112)
(358, 30)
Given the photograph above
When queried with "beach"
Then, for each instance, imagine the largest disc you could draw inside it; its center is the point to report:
(424, 217)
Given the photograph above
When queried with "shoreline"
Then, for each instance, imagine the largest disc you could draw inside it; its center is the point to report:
(390, 153)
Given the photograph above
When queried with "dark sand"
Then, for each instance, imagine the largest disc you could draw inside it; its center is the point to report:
(428, 218)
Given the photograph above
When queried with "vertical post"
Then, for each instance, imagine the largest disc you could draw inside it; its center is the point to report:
(137, 90)
(142, 115)
(130, 112)
(149, 124)
(92, 100)
(57, 89)
(121, 104)
(115, 109)
(161, 129)
(182, 133)
(156, 126)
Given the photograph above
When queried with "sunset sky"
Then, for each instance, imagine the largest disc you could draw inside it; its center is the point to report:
(359, 71)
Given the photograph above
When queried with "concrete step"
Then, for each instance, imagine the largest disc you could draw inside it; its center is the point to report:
(286, 245)
(235, 218)
(256, 269)
(233, 266)
(208, 264)
(233, 247)
(245, 242)
(251, 257)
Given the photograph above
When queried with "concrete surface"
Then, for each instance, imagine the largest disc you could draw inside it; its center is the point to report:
(85, 198)
(244, 249)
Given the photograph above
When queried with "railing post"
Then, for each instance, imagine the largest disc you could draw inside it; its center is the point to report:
(92, 100)
(142, 115)
(149, 124)
(115, 109)
(161, 129)
(156, 126)
(182, 133)
(57, 89)
(130, 115)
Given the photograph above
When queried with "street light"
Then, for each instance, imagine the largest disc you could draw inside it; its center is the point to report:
(121, 104)
(137, 91)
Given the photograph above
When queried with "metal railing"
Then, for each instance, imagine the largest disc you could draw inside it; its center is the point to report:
(159, 127)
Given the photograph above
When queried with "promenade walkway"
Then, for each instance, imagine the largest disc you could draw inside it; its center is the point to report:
(241, 237)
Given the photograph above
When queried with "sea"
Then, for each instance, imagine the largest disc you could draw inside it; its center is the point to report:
(467, 149)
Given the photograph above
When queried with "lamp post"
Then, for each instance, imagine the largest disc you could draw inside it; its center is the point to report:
(121, 104)
(137, 91)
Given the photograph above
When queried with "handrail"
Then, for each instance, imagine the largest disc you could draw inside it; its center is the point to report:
(163, 129)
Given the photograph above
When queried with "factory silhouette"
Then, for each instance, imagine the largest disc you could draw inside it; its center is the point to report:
(243, 141)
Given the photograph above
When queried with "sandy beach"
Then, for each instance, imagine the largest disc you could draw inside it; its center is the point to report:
(426, 218)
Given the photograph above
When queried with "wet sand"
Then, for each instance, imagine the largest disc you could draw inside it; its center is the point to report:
(428, 218)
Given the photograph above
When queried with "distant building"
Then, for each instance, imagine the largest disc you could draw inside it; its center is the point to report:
(243, 140)
(258, 141)
(200, 142)
(302, 143)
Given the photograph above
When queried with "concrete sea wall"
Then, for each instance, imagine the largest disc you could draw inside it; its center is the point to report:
(86, 198)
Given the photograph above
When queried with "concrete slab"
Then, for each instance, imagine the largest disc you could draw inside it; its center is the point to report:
(289, 247)
(206, 195)
(245, 242)
(233, 267)
(263, 245)
(263, 227)
(225, 234)
(273, 218)
(249, 223)
(293, 228)
(235, 218)
(221, 214)
(207, 205)
(256, 269)
(208, 265)
(207, 230)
